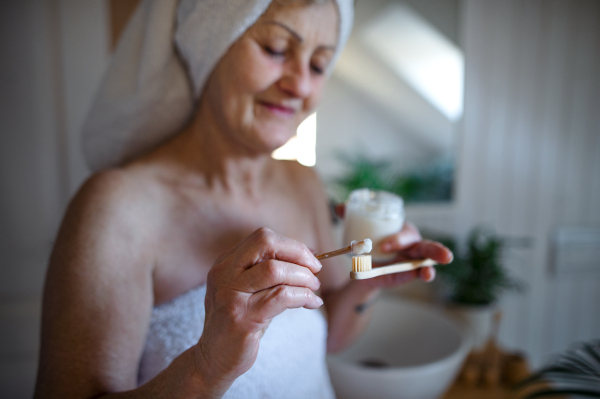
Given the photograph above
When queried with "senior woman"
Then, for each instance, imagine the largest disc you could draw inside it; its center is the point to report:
(182, 268)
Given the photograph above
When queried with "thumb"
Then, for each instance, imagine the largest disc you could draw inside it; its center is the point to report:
(408, 236)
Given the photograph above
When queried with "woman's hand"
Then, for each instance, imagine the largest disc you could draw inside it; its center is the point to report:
(408, 244)
(349, 304)
(255, 281)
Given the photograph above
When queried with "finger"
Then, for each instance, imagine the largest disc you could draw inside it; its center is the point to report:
(265, 244)
(427, 274)
(432, 250)
(269, 303)
(422, 250)
(274, 272)
(409, 235)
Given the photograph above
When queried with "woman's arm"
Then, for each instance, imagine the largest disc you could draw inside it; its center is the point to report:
(99, 295)
(98, 299)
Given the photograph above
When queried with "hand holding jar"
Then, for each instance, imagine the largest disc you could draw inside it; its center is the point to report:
(380, 216)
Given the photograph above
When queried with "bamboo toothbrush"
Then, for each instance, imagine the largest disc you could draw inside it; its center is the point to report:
(362, 267)
(356, 247)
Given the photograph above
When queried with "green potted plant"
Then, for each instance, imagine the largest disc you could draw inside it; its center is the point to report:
(431, 183)
(473, 283)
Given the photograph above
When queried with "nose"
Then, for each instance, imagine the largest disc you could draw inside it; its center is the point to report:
(296, 80)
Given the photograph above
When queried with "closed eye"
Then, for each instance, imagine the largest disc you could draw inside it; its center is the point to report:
(273, 52)
(318, 70)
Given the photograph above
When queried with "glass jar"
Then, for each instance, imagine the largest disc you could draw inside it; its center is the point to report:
(375, 215)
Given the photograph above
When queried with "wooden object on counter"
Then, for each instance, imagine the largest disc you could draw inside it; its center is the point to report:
(484, 367)
(489, 374)
(491, 358)
(515, 368)
(461, 392)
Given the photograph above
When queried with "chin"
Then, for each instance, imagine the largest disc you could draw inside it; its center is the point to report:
(273, 138)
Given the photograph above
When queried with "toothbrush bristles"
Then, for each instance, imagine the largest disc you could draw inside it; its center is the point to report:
(361, 263)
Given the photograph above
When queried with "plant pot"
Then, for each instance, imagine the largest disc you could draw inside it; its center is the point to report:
(478, 319)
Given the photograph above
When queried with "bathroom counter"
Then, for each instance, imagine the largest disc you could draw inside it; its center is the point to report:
(458, 391)
(461, 392)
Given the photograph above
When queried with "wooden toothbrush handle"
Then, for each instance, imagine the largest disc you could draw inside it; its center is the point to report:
(331, 254)
(395, 268)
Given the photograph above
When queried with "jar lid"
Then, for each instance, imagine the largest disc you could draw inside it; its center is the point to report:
(375, 203)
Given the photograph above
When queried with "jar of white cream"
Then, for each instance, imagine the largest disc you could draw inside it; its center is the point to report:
(375, 215)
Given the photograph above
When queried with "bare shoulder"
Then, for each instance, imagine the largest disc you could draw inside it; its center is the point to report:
(107, 218)
(113, 194)
(113, 198)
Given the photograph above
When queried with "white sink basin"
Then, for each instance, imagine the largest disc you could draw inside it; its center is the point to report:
(409, 351)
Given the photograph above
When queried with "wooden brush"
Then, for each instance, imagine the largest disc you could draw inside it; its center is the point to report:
(362, 267)
(491, 367)
(357, 247)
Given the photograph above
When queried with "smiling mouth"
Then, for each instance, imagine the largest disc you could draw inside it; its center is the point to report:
(278, 109)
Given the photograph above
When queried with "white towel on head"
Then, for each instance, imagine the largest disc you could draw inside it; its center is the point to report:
(147, 94)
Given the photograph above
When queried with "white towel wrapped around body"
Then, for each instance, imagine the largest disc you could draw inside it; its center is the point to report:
(291, 357)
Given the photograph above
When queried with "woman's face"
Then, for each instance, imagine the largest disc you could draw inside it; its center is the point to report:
(271, 79)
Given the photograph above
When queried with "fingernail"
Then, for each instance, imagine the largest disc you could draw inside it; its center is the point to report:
(320, 301)
(432, 277)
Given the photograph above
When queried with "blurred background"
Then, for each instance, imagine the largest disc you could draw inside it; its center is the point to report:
(476, 112)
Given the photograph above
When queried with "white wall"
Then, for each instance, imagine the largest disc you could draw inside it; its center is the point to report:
(28, 206)
(368, 109)
(52, 56)
(530, 154)
(348, 122)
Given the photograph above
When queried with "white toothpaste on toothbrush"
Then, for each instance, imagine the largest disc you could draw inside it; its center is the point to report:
(362, 247)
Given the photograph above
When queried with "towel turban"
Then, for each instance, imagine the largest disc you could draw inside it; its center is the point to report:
(160, 67)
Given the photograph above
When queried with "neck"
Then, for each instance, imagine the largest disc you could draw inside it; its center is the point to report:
(206, 149)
